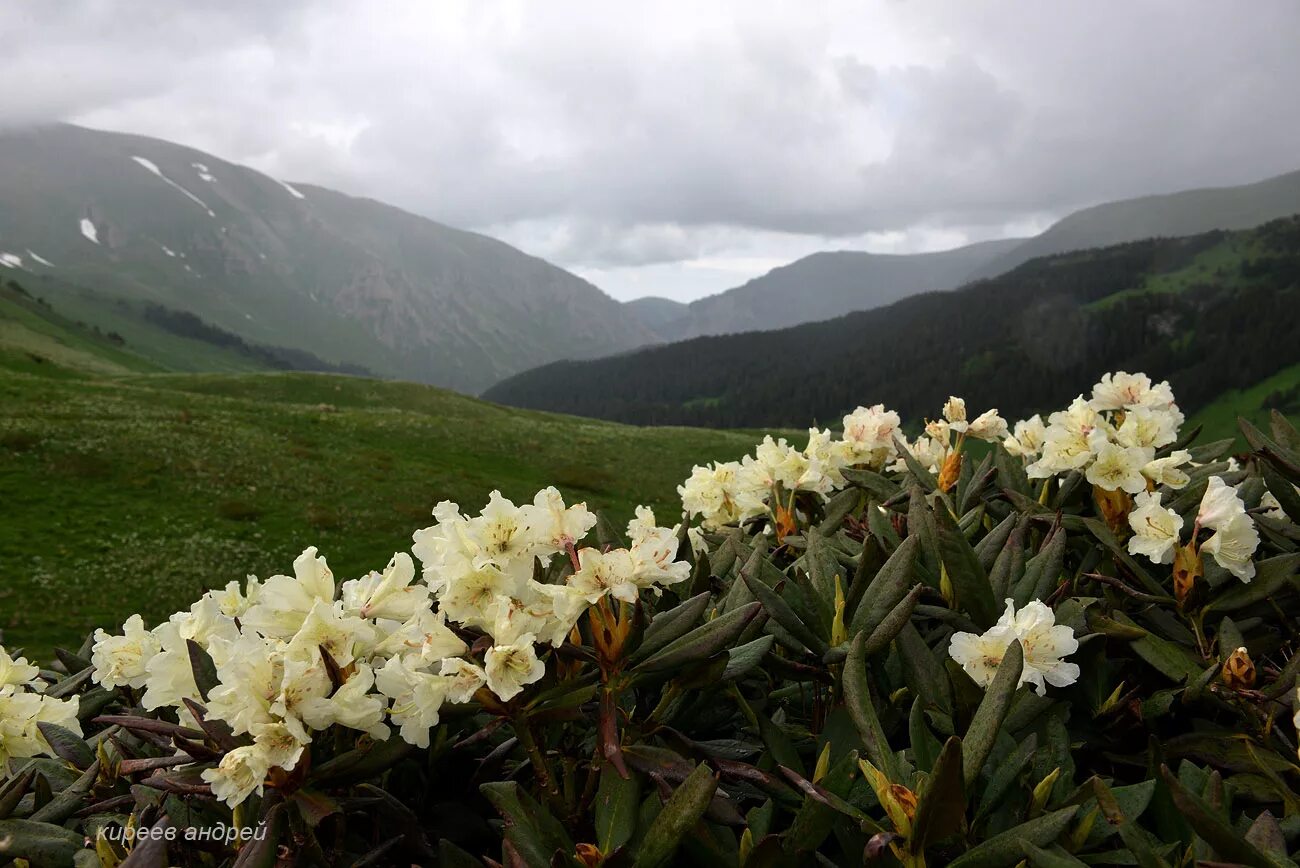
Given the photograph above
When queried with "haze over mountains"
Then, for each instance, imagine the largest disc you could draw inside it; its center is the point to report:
(113, 228)
(349, 280)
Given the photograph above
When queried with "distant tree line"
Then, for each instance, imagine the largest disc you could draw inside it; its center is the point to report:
(1024, 342)
(187, 325)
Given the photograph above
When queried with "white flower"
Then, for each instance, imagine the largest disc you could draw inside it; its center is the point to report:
(248, 682)
(1233, 545)
(1065, 448)
(501, 533)
(869, 435)
(1119, 468)
(988, 426)
(1043, 640)
(653, 554)
(1027, 441)
(1272, 507)
(1148, 426)
(1120, 390)
(468, 598)
(465, 679)
(980, 655)
(417, 697)
(1165, 471)
(20, 713)
(301, 681)
(602, 573)
(1155, 528)
(552, 524)
(123, 660)
(390, 595)
(954, 413)
(827, 457)
(562, 605)
(284, 601)
(713, 492)
(508, 668)
(327, 627)
(278, 744)
(1219, 505)
(351, 705)
(241, 773)
(425, 636)
(16, 672)
(234, 601)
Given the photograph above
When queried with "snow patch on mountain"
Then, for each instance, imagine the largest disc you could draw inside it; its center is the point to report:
(203, 172)
(11, 260)
(88, 229)
(38, 258)
(292, 192)
(152, 167)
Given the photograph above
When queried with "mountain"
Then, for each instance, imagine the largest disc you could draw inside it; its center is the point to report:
(1211, 312)
(352, 281)
(826, 285)
(1189, 212)
(656, 313)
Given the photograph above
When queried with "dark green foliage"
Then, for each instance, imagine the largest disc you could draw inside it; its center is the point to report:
(1180, 309)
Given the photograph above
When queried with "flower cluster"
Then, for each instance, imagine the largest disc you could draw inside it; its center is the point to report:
(1234, 540)
(940, 446)
(735, 491)
(1043, 640)
(23, 707)
(296, 655)
(1111, 438)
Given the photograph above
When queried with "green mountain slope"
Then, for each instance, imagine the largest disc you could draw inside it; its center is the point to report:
(1211, 313)
(826, 285)
(1189, 212)
(130, 493)
(349, 280)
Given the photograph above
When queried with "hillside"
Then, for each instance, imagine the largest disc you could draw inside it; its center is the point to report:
(1211, 313)
(164, 484)
(349, 280)
(1188, 212)
(826, 285)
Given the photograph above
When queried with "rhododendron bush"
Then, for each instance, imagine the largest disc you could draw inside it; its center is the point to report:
(1058, 642)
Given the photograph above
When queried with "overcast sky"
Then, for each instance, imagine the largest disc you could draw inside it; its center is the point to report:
(678, 149)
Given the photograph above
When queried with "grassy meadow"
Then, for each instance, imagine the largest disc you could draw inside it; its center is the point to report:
(135, 493)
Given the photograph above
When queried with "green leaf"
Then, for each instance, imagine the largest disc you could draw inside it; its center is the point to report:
(987, 722)
(894, 622)
(70, 800)
(781, 613)
(744, 659)
(1271, 576)
(815, 819)
(1287, 497)
(703, 641)
(679, 815)
(672, 624)
(1210, 826)
(822, 567)
(964, 570)
(67, 745)
(1005, 774)
(530, 828)
(881, 486)
(618, 802)
(12, 791)
(857, 697)
(942, 806)
(43, 845)
(887, 588)
(923, 671)
(1040, 858)
(1007, 849)
(1285, 460)
(1009, 566)
(1042, 571)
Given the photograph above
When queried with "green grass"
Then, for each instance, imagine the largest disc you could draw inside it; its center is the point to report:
(125, 494)
(1279, 392)
(1219, 265)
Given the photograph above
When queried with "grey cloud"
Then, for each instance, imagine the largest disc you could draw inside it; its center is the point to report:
(615, 136)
